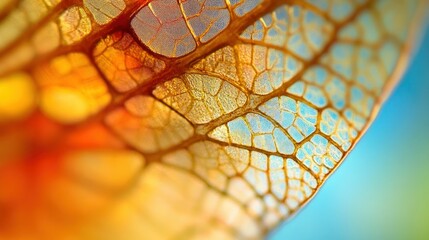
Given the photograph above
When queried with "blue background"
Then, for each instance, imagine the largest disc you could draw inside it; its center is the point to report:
(381, 191)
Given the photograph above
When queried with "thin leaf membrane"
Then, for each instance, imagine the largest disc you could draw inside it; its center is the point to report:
(189, 119)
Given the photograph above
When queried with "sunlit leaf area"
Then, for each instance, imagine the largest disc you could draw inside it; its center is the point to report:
(203, 119)
(381, 190)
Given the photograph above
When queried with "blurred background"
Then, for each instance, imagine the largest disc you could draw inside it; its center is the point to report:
(381, 191)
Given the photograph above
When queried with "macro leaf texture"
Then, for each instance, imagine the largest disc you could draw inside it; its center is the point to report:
(190, 119)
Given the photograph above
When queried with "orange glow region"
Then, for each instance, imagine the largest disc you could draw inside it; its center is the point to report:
(191, 119)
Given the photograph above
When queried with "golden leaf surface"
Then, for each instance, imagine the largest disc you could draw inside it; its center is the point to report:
(193, 119)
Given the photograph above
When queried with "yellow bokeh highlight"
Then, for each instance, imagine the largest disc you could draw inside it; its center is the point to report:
(107, 169)
(64, 104)
(72, 89)
(18, 96)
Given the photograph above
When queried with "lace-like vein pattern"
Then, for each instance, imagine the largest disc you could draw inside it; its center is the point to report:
(194, 119)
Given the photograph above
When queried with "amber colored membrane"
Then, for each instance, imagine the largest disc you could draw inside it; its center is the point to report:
(109, 128)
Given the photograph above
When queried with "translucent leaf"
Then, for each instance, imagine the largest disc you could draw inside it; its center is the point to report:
(188, 119)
